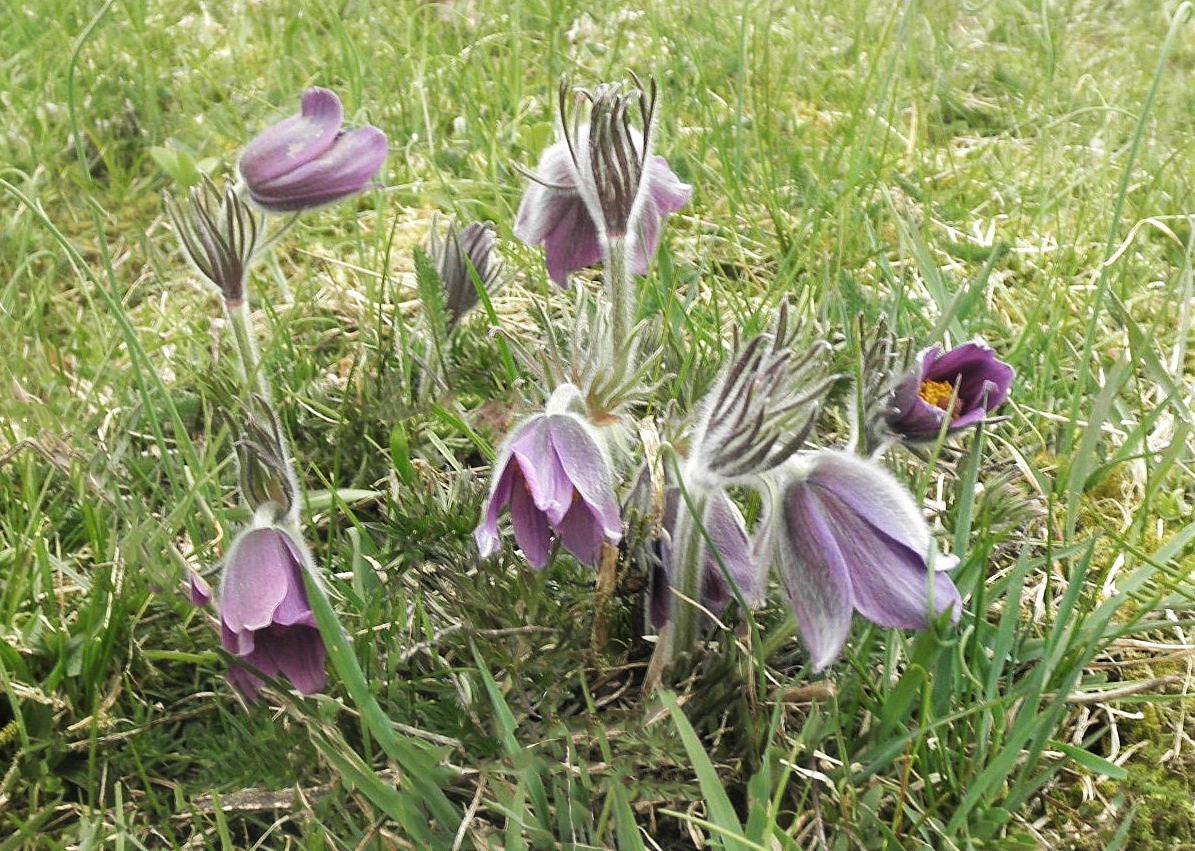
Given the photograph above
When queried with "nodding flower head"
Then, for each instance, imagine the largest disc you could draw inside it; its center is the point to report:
(600, 182)
(308, 160)
(554, 475)
(949, 390)
(265, 617)
(846, 536)
(219, 234)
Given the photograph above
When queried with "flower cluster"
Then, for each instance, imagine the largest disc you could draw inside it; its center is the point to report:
(840, 532)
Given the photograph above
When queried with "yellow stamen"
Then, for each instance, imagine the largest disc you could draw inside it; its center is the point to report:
(939, 394)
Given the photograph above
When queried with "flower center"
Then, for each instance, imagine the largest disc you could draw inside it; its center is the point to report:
(939, 394)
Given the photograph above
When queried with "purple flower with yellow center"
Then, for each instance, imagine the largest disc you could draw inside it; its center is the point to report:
(846, 536)
(265, 617)
(600, 183)
(952, 390)
(308, 160)
(554, 476)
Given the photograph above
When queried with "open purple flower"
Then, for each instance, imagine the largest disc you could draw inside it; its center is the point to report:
(553, 475)
(307, 160)
(600, 182)
(955, 389)
(727, 531)
(848, 537)
(265, 617)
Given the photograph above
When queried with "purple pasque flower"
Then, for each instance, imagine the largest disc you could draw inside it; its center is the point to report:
(307, 160)
(265, 617)
(600, 182)
(554, 476)
(954, 389)
(725, 544)
(846, 536)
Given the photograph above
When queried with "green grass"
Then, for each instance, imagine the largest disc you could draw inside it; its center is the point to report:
(1020, 172)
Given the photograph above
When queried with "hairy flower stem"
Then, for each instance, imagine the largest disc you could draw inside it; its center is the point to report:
(687, 540)
(620, 289)
(267, 465)
(254, 379)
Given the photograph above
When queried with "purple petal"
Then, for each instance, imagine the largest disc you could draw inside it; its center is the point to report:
(644, 238)
(530, 525)
(344, 169)
(560, 222)
(237, 643)
(715, 593)
(664, 194)
(244, 682)
(573, 244)
(728, 531)
(295, 141)
(261, 570)
(815, 574)
(556, 168)
(665, 188)
(581, 534)
(548, 482)
(486, 534)
(883, 539)
(587, 470)
(298, 653)
(869, 491)
(200, 591)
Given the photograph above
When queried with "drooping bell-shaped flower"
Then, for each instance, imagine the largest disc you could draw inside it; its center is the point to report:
(308, 160)
(954, 390)
(554, 475)
(846, 536)
(265, 617)
(599, 183)
(219, 234)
